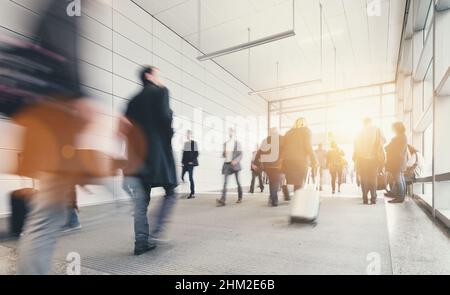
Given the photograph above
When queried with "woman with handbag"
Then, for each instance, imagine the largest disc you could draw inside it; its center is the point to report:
(396, 159)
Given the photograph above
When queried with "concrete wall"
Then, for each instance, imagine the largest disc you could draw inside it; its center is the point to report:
(116, 38)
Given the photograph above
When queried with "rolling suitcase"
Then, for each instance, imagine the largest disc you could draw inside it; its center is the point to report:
(305, 204)
(19, 200)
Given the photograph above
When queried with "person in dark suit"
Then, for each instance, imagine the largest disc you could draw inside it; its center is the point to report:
(150, 156)
(256, 168)
(396, 160)
(269, 156)
(189, 161)
(297, 153)
(336, 163)
(232, 153)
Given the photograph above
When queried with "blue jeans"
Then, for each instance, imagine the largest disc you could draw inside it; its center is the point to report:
(140, 191)
(399, 184)
(43, 225)
(225, 184)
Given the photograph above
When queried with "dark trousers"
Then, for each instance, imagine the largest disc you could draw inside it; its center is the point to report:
(190, 171)
(274, 186)
(336, 174)
(368, 170)
(256, 174)
(225, 184)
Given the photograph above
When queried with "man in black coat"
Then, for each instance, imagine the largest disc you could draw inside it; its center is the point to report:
(189, 161)
(150, 156)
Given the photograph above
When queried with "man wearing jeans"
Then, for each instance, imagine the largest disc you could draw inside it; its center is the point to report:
(368, 157)
(232, 153)
(150, 157)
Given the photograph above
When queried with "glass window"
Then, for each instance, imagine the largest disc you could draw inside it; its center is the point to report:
(428, 21)
(389, 107)
(428, 151)
(428, 87)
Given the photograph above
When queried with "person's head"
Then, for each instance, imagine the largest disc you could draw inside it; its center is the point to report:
(189, 135)
(149, 74)
(333, 145)
(300, 123)
(398, 128)
(367, 122)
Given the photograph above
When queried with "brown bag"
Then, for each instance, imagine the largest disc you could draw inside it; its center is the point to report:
(51, 130)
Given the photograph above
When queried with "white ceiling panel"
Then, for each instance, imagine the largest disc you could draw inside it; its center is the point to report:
(366, 46)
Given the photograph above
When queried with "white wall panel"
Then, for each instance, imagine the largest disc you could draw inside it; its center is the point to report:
(118, 38)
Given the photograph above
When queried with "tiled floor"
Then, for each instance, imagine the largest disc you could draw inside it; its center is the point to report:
(252, 238)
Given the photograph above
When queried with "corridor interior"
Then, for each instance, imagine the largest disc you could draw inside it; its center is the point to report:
(343, 61)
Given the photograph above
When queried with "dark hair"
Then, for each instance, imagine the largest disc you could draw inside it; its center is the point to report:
(144, 71)
(399, 128)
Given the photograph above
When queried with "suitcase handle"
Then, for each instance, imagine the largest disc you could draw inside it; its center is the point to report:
(316, 179)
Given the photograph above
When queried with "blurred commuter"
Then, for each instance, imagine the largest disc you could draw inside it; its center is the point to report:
(414, 167)
(73, 221)
(232, 154)
(396, 160)
(321, 156)
(256, 168)
(269, 156)
(189, 161)
(369, 158)
(336, 164)
(51, 129)
(150, 157)
(297, 154)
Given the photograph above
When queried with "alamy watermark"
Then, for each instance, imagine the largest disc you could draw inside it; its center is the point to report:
(211, 132)
(74, 8)
(374, 7)
(73, 267)
(374, 266)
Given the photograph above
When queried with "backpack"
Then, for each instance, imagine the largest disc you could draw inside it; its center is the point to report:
(28, 74)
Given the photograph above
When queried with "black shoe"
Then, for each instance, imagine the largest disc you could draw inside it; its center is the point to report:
(144, 248)
(366, 202)
(397, 201)
(251, 192)
(389, 195)
(239, 201)
(373, 202)
(220, 203)
(191, 196)
(333, 192)
(262, 189)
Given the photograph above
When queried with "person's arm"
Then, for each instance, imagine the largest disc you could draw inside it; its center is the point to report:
(224, 153)
(183, 158)
(238, 156)
(196, 153)
(309, 149)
